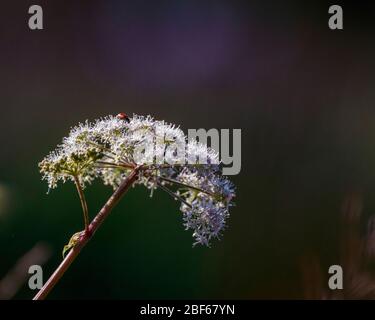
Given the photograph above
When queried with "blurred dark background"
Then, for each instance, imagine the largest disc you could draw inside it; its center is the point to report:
(302, 94)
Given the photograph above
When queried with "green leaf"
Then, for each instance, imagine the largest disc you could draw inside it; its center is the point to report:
(72, 243)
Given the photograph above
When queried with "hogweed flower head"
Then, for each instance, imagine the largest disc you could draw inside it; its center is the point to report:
(111, 147)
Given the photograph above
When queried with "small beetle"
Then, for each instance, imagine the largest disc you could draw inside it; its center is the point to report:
(123, 116)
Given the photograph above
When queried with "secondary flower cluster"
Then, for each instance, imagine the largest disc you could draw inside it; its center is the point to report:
(111, 147)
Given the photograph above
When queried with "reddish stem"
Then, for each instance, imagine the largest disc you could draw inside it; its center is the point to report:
(86, 235)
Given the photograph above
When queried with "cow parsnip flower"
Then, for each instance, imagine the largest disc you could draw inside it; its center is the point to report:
(111, 147)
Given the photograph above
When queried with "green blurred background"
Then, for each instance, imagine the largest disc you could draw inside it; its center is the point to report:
(302, 94)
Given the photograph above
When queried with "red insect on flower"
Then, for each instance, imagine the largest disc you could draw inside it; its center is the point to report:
(123, 116)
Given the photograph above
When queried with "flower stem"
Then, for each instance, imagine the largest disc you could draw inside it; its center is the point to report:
(83, 203)
(173, 195)
(86, 236)
(185, 185)
(118, 165)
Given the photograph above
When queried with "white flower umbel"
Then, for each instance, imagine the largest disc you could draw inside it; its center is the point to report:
(110, 148)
